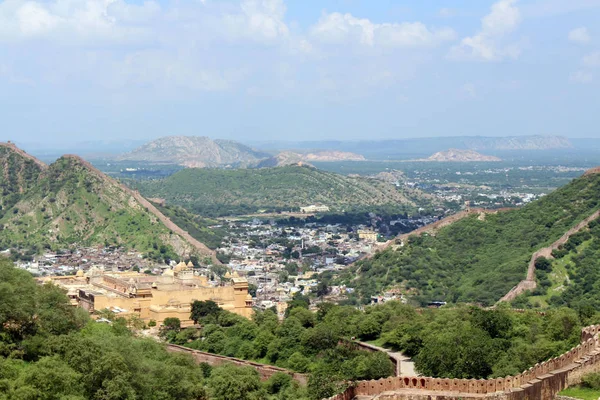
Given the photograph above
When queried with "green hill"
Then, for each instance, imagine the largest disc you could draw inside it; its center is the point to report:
(572, 276)
(19, 172)
(70, 204)
(479, 258)
(242, 191)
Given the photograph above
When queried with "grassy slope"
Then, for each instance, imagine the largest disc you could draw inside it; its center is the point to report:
(579, 392)
(213, 191)
(196, 226)
(17, 175)
(479, 261)
(69, 205)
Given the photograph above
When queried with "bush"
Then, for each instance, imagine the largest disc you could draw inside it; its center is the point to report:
(591, 381)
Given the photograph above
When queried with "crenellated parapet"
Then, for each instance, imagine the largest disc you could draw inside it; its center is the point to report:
(542, 381)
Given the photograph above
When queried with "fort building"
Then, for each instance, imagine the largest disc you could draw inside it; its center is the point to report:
(153, 297)
(367, 234)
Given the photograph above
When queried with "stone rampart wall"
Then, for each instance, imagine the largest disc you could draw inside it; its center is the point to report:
(529, 283)
(265, 371)
(542, 381)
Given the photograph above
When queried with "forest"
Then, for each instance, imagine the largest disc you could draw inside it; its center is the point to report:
(477, 259)
(218, 192)
(50, 350)
(462, 342)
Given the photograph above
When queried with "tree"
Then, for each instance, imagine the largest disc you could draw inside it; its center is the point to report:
(170, 327)
(235, 383)
(322, 289)
(201, 309)
(369, 328)
(17, 300)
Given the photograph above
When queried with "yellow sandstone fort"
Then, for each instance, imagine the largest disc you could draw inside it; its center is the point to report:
(153, 297)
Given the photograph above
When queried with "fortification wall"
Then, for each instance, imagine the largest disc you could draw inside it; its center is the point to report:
(529, 283)
(265, 371)
(542, 381)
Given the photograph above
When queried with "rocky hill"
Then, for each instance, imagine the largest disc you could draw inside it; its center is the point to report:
(194, 152)
(70, 203)
(242, 191)
(291, 158)
(479, 258)
(534, 142)
(19, 171)
(457, 155)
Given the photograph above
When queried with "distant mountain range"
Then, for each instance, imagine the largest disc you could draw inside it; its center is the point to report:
(201, 151)
(456, 155)
(399, 149)
(195, 152)
(69, 202)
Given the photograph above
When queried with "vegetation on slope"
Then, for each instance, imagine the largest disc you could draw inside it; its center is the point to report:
(71, 204)
(17, 175)
(226, 192)
(465, 342)
(572, 278)
(469, 342)
(50, 350)
(477, 259)
(304, 342)
(198, 227)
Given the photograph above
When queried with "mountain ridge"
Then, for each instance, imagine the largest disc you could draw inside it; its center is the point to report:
(72, 202)
(244, 191)
(194, 152)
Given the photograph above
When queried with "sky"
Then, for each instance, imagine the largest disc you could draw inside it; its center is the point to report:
(87, 70)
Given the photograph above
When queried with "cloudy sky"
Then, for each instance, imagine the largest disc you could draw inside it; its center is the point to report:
(298, 69)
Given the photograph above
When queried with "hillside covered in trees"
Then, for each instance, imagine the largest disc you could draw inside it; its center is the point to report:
(70, 203)
(464, 342)
(50, 350)
(218, 192)
(480, 258)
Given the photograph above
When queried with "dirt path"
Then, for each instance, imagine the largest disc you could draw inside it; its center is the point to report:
(404, 365)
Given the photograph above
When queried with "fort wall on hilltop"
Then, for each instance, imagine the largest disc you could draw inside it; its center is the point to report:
(543, 381)
(529, 283)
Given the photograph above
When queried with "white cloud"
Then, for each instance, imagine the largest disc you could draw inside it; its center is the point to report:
(260, 20)
(337, 28)
(580, 35)
(592, 60)
(581, 77)
(74, 21)
(488, 43)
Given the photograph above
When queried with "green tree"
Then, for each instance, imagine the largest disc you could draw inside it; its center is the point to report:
(235, 383)
(201, 309)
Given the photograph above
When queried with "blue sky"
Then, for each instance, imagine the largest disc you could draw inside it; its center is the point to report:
(305, 69)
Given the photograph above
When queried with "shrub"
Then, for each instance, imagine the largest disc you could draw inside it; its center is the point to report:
(591, 381)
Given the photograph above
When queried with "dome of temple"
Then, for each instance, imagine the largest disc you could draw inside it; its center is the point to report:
(190, 265)
(79, 273)
(168, 272)
(249, 297)
(235, 274)
(227, 275)
(180, 267)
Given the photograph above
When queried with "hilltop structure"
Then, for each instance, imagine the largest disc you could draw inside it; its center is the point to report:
(152, 297)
